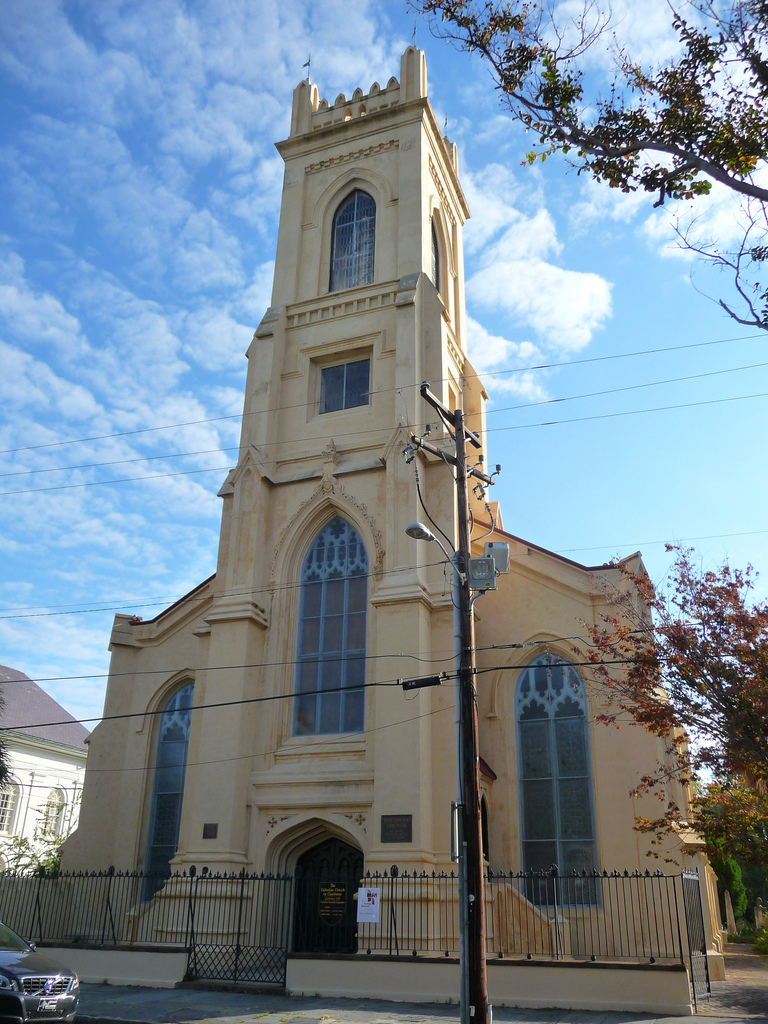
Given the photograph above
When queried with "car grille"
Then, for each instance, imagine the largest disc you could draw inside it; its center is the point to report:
(32, 986)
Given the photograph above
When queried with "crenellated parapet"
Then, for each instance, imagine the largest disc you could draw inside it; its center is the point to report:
(311, 113)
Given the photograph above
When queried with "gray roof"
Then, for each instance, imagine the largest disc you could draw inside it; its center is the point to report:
(28, 705)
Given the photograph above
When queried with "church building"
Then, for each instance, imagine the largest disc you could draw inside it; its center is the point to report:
(271, 731)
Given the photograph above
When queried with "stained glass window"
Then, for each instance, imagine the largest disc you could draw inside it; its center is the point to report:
(332, 632)
(353, 239)
(557, 817)
(168, 789)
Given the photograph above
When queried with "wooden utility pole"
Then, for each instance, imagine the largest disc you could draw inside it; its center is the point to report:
(473, 969)
(478, 982)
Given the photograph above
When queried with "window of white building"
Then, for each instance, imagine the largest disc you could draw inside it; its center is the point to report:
(53, 814)
(9, 799)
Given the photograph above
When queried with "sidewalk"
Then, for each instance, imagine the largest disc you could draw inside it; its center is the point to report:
(105, 1004)
(744, 996)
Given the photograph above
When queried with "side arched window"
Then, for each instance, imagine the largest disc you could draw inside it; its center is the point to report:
(435, 258)
(332, 629)
(353, 238)
(9, 799)
(557, 816)
(168, 788)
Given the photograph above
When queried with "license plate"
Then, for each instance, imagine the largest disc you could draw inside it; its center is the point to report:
(48, 1004)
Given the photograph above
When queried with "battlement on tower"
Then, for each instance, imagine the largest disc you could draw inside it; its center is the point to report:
(310, 113)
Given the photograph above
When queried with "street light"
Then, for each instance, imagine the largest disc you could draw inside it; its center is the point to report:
(418, 531)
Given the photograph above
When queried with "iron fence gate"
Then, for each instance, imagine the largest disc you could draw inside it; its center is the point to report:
(697, 939)
(248, 942)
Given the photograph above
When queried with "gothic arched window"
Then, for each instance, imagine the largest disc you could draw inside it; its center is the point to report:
(168, 790)
(435, 258)
(353, 237)
(332, 627)
(557, 817)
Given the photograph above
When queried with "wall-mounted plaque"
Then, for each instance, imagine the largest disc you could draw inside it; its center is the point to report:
(397, 828)
(210, 830)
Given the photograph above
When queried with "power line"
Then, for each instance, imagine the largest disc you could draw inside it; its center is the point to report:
(490, 430)
(304, 693)
(626, 412)
(254, 592)
(489, 412)
(489, 373)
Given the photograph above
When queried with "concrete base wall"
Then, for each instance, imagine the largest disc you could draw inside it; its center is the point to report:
(529, 983)
(642, 988)
(151, 968)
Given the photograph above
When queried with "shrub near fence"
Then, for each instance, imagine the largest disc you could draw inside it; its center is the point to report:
(618, 916)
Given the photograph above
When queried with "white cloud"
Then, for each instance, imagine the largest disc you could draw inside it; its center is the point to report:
(511, 271)
(37, 317)
(26, 384)
(215, 340)
(564, 307)
(489, 352)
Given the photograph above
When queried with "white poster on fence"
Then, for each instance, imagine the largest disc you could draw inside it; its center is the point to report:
(368, 905)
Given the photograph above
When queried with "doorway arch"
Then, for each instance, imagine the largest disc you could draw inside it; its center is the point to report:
(327, 877)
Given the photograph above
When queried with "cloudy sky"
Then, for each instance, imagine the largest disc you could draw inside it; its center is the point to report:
(139, 199)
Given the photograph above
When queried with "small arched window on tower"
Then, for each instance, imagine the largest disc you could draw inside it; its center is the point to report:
(332, 628)
(435, 257)
(353, 238)
(557, 817)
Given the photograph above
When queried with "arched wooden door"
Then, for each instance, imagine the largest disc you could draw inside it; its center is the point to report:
(327, 878)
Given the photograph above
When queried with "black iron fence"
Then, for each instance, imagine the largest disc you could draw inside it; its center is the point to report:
(243, 925)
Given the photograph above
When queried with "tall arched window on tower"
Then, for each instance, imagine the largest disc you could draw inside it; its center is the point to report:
(353, 238)
(332, 628)
(554, 765)
(168, 789)
(435, 257)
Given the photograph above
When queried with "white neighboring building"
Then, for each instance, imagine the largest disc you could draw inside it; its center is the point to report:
(47, 762)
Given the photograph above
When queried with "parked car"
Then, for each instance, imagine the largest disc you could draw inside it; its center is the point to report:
(32, 986)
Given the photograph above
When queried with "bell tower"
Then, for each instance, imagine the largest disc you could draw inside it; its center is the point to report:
(367, 303)
(320, 603)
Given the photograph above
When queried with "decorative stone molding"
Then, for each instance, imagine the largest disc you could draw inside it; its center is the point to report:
(446, 205)
(273, 821)
(357, 154)
(320, 492)
(359, 819)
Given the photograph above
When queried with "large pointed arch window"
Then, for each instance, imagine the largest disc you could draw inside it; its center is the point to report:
(332, 626)
(557, 816)
(168, 789)
(353, 238)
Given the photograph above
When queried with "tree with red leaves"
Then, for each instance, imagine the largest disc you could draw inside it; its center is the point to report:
(696, 673)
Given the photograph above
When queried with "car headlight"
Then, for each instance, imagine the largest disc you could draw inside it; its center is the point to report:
(74, 985)
(6, 982)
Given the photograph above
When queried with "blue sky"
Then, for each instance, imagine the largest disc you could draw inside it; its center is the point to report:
(139, 198)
